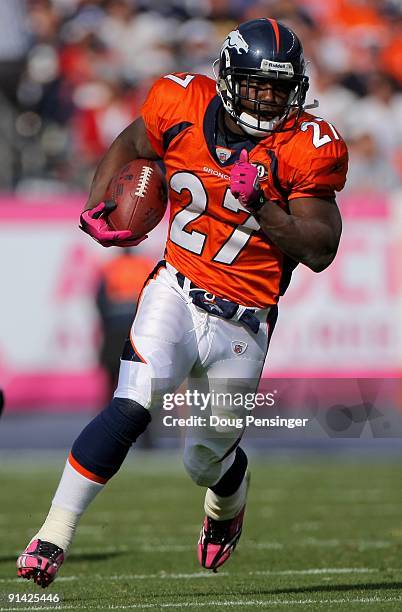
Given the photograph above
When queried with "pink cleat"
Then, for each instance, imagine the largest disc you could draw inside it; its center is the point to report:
(40, 561)
(218, 540)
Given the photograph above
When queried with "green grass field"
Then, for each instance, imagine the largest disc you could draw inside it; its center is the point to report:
(320, 533)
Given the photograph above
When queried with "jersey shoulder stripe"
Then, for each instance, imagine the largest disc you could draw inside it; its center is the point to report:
(174, 103)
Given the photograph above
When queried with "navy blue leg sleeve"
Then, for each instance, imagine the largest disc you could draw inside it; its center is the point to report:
(104, 443)
(232, 479)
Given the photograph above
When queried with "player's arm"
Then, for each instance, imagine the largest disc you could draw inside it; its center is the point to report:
(310, 234)
(132, 143)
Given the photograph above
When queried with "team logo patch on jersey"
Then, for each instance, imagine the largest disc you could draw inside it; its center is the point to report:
(223, 154)
(239, 347)
(262, 170)
(235, 41)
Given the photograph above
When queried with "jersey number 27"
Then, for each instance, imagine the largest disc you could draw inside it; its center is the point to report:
(194, 241)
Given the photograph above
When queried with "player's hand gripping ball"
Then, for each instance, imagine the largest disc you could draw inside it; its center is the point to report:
(135, 203)
(244, 183)
(140, 194)
(94, 223)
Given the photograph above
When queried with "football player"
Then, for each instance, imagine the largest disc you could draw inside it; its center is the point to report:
(252, 179)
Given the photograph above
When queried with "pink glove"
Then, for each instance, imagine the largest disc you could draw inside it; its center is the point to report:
(95, 225)
(244, 183)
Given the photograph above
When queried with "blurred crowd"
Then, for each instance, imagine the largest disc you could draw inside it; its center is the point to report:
(73, 74)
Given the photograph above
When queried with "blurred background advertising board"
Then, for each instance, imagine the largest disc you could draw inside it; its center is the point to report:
(345, 322)
(50, 333)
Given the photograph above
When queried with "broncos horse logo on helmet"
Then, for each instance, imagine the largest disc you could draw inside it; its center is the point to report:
(262, 50)
(236, 41)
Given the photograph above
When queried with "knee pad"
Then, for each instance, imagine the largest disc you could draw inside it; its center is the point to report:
(201, 465)
(206, 471)
(125, 419)
(104, 443)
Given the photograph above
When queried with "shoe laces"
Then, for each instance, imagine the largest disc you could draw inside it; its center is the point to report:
(49, 550)
(217, 531)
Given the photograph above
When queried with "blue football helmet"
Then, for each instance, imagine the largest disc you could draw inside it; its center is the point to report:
(262, 50)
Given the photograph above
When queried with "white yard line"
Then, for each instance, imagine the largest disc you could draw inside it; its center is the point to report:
(147, 543)
(205, 574)
(304, 543)
(259, 604)
(161, 575)
(161, 548)
(221, 604)
(318, 571)
(99, 549)
(154, 547)
(80, 551)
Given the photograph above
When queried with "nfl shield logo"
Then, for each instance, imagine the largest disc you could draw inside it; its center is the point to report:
(223, 154)
(238, 347)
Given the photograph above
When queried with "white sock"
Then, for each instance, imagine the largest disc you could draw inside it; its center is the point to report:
(223, 508)
(59, 527)
(75, 491)
(73, 495)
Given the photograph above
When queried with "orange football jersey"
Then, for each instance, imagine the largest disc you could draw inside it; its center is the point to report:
(212, 239)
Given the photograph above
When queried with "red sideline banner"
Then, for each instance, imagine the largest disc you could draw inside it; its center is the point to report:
(344, 322)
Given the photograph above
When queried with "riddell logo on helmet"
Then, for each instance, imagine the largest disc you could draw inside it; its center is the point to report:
(270, 66)
(236, 41)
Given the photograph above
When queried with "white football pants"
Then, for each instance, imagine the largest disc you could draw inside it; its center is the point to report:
(173, 339)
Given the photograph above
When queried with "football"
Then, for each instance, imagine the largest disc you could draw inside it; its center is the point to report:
(140, 194)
